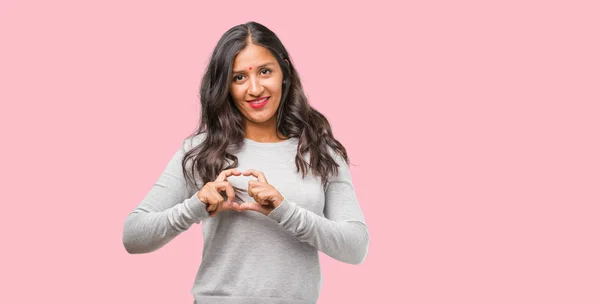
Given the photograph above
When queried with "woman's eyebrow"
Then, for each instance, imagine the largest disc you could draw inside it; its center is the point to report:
(260, 66)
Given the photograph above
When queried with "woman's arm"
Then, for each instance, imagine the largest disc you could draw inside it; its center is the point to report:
(165, 212)
(342, 234)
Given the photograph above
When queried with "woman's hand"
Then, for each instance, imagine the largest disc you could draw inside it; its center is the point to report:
(265, 195)
(210, 194)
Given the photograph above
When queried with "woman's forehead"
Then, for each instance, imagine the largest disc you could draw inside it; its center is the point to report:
(252, 56)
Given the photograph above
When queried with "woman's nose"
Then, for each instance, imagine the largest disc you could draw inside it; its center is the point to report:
(256, 87)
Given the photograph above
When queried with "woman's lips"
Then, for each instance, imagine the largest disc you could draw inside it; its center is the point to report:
(259, 102)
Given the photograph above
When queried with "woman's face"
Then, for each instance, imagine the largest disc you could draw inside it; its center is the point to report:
(256, 76)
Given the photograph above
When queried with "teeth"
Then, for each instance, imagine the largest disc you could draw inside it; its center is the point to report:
(259, 101)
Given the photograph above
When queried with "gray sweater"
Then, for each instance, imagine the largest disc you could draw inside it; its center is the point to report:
(248, 257)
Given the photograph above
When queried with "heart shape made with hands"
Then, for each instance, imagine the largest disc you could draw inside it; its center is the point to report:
(266, 197)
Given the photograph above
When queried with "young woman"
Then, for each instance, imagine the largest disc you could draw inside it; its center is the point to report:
(265, 177)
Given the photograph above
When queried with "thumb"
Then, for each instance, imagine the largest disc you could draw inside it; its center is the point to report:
(251, 206)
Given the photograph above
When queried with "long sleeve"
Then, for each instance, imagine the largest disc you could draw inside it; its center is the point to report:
(166, 211)
(342, 233)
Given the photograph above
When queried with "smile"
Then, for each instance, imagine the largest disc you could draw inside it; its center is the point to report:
(259, 102)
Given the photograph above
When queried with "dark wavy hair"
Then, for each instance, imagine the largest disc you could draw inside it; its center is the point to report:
(223, 123)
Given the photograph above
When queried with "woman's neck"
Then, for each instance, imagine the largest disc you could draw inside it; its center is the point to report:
(263, 134)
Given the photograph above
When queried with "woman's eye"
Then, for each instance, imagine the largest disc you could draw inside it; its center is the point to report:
(240, 77)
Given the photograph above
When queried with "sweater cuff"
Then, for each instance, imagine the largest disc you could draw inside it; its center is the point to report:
(197, 207)
(283, 212)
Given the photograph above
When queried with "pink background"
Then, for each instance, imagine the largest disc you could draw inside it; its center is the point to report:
(473, 129)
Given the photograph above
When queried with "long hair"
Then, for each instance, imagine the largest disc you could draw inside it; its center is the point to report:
(223, 123)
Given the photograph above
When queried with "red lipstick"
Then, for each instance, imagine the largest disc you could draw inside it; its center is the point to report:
(258, 102)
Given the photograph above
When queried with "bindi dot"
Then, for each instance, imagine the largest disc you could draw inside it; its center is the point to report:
(250, 68)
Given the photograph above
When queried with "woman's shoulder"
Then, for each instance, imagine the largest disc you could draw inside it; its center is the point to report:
(193, 141)
(337, 156)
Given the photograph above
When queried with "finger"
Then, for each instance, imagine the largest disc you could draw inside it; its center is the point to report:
(251, 206)
(264, 197)
(212, 208)
(215, 199)
(261, 177)
(221, 186)
(260, 194)
(223, 206)
(227, 187)
(207, 201)
(235, 206)
(230, 195)
(227, 173)
(253, 184)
